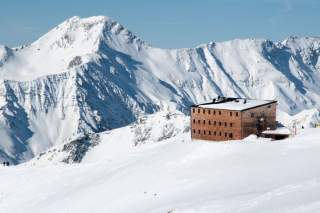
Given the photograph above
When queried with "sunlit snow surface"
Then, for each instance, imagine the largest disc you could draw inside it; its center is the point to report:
(240, 104)
(174, 175)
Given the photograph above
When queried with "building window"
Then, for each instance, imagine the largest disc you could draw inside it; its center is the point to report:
(204, 111)
(204, 121)
(198, 121)
(194, 121)
(193, 110)
(230, 124)
(230, 135)
(237, 114)
(230, 113)
(209, 111)
(209, 132)
(215, 133)
(198, 110)
(219, 123)
(269, 106)
(209, 122)
(214, 112)
(252, 115)
(219, 112)
(194, 131)
(199, 131)
(225, 134)
(204, 132)
(225, 123)
(220, 133)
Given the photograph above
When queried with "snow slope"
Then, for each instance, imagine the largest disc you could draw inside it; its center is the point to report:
(174, 175)
(92, 74)
(158, 127)
(304, 119)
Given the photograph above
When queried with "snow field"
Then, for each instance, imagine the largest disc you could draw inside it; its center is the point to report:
(177, 175)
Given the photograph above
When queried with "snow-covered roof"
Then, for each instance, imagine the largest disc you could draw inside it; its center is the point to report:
(278, 131)
(237, 104)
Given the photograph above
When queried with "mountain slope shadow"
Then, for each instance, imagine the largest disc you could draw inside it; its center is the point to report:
(17, 119)
(107, 92)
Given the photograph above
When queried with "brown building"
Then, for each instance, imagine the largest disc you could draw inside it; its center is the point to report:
(232, 118)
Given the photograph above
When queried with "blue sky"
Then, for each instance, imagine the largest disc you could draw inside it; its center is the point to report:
(165, 23)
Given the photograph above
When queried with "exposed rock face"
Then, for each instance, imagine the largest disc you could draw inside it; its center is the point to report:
(77, 149)
(5, 54)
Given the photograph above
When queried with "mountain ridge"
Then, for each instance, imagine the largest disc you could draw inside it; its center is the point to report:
(92, 74)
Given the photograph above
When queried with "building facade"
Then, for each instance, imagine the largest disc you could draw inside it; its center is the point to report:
(232, 118)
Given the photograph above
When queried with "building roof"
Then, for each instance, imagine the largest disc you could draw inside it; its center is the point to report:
(237, 104)
(278, 131)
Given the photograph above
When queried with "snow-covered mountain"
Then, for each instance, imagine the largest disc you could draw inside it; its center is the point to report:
(92, 74)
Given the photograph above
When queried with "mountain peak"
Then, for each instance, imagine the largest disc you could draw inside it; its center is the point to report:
(74, 42)
(75, 30)
(77, 21)
(87, 33)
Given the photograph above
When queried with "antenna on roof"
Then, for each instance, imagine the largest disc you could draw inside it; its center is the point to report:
(245, 101)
